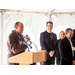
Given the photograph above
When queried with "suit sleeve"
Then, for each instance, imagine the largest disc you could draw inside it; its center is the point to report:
(56, 44)
(73, 46)
(73, 42)
(15, 47)
(42, 42)
(63, 52)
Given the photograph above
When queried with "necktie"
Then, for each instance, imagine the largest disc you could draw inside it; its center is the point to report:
(71, 47)
(52, 41)
(51, 36)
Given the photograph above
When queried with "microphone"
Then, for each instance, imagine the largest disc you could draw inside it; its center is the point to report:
(30, 43)
(28, 39)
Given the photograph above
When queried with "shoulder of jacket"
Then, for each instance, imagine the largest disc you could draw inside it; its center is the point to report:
(12, 34)
(73, 40)
(63, 40)
(44, 32)
(53, 33)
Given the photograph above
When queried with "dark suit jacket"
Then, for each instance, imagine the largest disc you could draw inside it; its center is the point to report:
(46, 43)
(57, 54)
(66, 51)
(73, 35)
(14, 47)
(57, 50)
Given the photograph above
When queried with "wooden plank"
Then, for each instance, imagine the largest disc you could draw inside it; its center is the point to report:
(26, 58)
(26, 64)
(23, 64)
(39, 56)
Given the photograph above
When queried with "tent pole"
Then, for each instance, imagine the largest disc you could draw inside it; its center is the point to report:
(50, 17)
(51, 14)
(2, 37)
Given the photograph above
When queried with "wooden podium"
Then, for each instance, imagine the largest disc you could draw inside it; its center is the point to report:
(27, 58)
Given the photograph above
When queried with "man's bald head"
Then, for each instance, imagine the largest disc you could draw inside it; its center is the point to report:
(19, 27)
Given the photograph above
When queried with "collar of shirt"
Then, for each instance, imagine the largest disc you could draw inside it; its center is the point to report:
(69, 39)
(17, 33)
(48, 31)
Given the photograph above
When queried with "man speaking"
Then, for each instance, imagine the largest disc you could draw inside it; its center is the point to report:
(16, 41)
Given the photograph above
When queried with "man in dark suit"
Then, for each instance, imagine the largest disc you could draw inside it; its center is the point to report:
(48, 41)
(73, 35)
(65, 48)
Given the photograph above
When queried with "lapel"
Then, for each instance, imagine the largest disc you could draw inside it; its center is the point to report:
(68, 43)
(16, 35)
(53, 36)
(48, 36)
(73, 42)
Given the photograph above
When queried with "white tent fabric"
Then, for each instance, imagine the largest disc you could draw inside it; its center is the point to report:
(34, 24)
(64, 19)
(0, 38)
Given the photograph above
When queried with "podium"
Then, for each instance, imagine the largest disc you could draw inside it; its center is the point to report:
(27, 58)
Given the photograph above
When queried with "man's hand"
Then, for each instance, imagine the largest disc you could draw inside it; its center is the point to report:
(51, 53)
(26, 40)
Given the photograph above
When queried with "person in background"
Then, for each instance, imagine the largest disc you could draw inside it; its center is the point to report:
(48, 41)
(57, 55)
(16, 41)
(66, 48)
(73, 38)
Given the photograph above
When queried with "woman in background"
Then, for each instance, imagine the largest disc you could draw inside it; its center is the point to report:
(61, 36)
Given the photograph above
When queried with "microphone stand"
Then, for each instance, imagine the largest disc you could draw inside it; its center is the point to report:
(30, 44)
(35, 46)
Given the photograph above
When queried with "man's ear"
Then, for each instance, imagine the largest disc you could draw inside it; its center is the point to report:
(16, 27)
(66, 33)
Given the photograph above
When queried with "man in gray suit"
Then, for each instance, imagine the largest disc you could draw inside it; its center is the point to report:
(48, 41)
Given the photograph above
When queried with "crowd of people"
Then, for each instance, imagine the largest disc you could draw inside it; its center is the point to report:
(62, 49)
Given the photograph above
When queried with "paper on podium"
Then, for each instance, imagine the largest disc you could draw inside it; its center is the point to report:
(73, 48)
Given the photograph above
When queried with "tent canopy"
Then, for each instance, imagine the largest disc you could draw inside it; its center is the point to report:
(44, 11)
(47, 12)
